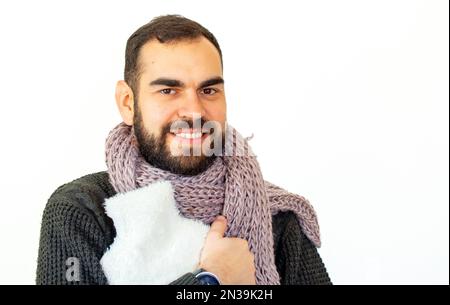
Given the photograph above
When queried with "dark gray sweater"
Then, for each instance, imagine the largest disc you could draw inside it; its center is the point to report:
(74, 224)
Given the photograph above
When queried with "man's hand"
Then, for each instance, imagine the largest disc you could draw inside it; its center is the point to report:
(227, 257)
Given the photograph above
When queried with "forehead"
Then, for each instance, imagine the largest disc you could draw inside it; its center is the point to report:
(196, 58)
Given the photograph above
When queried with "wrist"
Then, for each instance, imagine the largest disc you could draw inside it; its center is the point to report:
(206, 277)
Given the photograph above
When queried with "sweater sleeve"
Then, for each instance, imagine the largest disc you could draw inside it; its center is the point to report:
(71, 245)
(187, 279)
(297, 259)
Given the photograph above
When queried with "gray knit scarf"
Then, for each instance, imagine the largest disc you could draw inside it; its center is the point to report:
(232, 186)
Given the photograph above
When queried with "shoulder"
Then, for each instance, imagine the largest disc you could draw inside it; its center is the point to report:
(285, 225)
(281, 222)
(89, 191)
(80, 198)
(93, 185)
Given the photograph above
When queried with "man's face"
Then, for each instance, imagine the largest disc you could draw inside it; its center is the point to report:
(179, 81)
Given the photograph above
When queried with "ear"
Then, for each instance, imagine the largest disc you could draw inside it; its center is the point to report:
(125, 102)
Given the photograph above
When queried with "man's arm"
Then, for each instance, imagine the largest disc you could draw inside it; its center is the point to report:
(71, 245)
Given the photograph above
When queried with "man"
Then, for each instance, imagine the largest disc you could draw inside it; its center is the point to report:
(183, 200)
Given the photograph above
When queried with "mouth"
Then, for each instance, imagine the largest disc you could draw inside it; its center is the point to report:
(190, 136)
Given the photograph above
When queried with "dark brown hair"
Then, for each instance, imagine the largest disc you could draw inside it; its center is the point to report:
(168, 28)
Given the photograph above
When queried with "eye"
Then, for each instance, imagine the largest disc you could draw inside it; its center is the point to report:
(209, 91)
(167, 91)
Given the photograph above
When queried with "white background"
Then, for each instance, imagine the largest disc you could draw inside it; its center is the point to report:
(348, 102)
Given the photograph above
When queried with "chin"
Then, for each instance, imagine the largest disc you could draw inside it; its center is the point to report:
(190, 162)
(190, 165)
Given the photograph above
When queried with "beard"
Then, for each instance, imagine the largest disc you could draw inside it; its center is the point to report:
(156, 150)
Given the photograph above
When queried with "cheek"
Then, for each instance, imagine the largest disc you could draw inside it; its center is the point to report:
(217, 112)
(155, 117)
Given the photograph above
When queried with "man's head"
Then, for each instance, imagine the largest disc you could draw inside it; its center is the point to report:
(173, 73)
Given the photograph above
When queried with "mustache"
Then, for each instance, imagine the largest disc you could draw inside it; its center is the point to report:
(182, 123)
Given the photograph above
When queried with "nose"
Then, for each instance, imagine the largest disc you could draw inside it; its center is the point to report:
(191, 106)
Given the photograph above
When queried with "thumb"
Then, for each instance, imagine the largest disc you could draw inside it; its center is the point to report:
(218, 228)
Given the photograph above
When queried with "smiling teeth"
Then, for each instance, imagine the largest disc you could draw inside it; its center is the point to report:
(195, 135)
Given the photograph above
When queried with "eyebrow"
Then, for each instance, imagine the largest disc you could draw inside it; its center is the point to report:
(212, 81)
(169, 82)
(166, 82)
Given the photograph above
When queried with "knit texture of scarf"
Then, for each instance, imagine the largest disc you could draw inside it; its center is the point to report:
(232, 186)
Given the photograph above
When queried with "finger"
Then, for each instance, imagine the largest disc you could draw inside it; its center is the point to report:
(218, 228)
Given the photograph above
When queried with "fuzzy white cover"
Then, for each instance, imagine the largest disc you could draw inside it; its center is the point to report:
(154, 244)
